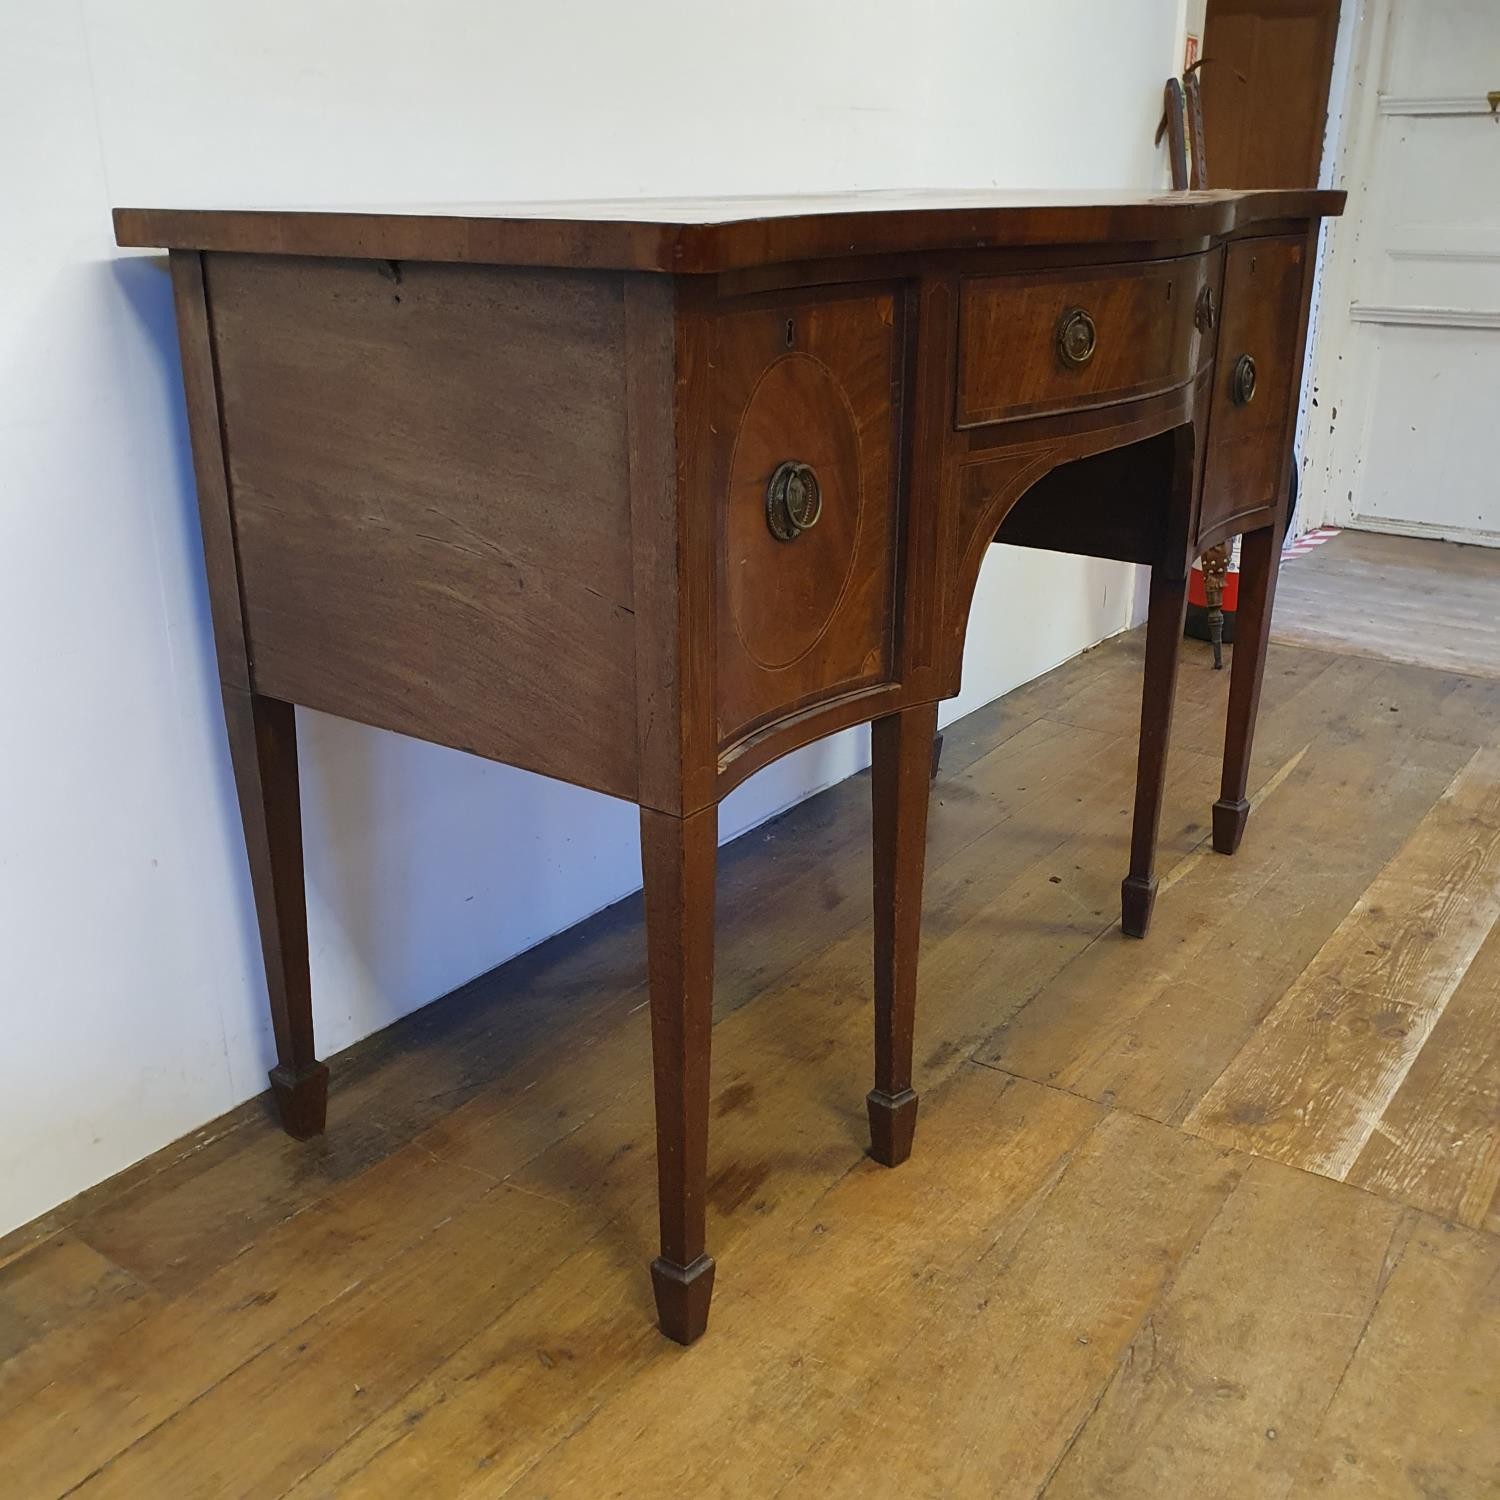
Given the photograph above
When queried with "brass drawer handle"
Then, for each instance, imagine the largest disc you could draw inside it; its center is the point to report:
(1077, 338)
(793, 500)
(1203, 313)
(1242, 381)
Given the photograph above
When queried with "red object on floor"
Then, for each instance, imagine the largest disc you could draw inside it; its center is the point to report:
(1198, 594)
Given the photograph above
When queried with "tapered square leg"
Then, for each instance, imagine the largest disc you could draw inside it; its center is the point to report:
(1229, 824)
(1164, 622)
(301, 1099)
(1260, 562)
(682, 1297)
(1137, 899)
(678, 858)
(900, 778)
(263, 748)
(893, 1123)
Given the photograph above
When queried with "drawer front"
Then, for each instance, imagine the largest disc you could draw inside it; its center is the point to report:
(1032, 345)
(805, 419)
(1245, 467)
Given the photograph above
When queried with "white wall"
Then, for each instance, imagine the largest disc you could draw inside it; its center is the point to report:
(133, 1004)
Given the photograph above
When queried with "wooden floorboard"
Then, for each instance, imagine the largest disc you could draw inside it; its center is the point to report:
(1223, 1379)
(1426, 602)
(1184, 1218)
(1314, 1081)
(1415, 1413)
(1437, 1143)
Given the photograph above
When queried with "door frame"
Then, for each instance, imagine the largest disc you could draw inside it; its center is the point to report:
(1338, 395)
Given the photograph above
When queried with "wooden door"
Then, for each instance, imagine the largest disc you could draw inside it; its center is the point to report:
(1266, 71)
(1416, 411)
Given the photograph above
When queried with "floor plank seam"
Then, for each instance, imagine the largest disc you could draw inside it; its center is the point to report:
(1088, 1416)
(1189, 859)
(1148, 1313)
(582, 1248)
(1336, 1158)
(989, 1037)
(1338, 647)
(1014, 1229)
(1036, 1202)
(286, 1335)
(615, 1390)
(1401, 1230)
(1353, 1187)
(584, 1420)
(1182, 1129)
(1111, 1107)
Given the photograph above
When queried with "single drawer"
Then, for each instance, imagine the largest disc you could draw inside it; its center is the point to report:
(1256, 379)
(805, 417)
(1031, 345)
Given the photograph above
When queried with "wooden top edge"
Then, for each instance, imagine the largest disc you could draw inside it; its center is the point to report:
(710, 235)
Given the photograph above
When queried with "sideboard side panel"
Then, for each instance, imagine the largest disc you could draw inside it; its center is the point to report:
(429, 477)
(195, 342)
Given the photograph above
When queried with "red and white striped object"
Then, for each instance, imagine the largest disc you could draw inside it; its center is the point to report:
(1305, 543)
(1296, 547)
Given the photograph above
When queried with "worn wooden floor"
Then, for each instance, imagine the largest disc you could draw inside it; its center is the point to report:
(1435, 604)
(1210, 1215)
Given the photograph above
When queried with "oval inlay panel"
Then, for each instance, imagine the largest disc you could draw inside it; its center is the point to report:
(783, 595)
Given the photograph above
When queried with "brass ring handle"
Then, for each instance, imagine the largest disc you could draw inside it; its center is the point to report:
(1242, 381)
(1077, 338)
(794, 500)
(1203, 313)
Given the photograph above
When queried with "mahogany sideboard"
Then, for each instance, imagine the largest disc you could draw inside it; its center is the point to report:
(643, 496)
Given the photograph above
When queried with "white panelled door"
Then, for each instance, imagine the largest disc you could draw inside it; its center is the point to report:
(1424, 315)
